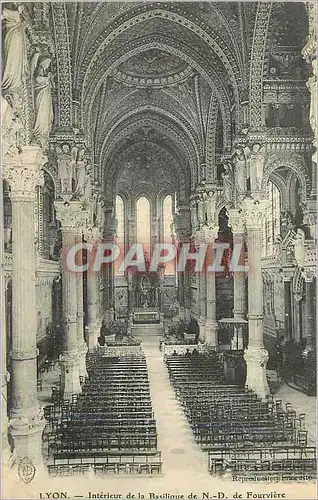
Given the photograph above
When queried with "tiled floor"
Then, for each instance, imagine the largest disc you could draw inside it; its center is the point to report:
(301, 404)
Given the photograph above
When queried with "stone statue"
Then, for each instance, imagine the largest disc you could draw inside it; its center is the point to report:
(228, 178)
(100, 219)
(312, 87)
(12, 129)
(65, 162)
(43, 106)
(240, 172)
(15, 54)
(88, 188)
(310, 221)
(79, 158)
(155, 227)
(257, 167)
(299, 247)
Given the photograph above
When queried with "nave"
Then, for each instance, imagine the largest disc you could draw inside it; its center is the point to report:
(149, 126)
(161, 415)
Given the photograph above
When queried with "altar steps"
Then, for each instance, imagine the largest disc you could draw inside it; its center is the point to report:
(145, 331)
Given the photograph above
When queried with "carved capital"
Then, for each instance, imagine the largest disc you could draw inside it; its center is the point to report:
(72, 216)
(236, 221)
(254, 212)
(27, 423)
(23, 354)
(309, 274)
(257, 355)
(92, 234)
(23, 171)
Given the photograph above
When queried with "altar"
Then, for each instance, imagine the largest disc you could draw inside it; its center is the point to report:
(145, 316)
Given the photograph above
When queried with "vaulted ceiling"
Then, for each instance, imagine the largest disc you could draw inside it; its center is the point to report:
(155, 83)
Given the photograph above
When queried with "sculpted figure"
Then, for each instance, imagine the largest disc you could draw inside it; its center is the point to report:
(155, 227)
(299, 247)
(65, 167)
(101, 216)
(310, 221)
(79, 158)
(12, 129)
(88, 189)
(240, 171)
(15, 55)
(257, 167)
(43, 105)
(227, 177)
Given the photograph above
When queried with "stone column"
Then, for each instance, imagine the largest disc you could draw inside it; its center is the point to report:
(24, 174)
(256, 356)
(287, 303)
(73, 220)
(309, 53)
(310, 310)
(4, 333)
(93, 322)
(202, 302)
(211, 327)
(236, 221)
(81, 344)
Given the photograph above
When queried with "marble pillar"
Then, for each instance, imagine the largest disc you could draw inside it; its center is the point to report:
(236, 221)
(202, 302)
(93, 320)
(23, 173)
(73, 221)
(309, 52)
(4, 333)
(256, 356)
(81, 344)
(287, 305)
(310, 311)
(211, 326)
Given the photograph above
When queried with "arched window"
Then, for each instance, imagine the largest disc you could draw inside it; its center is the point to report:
(143, 223)
(120, 232)
(167, 213)
(120, 216)
(271, 226)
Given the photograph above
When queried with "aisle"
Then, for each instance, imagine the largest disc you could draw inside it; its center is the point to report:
(182, 458)
(301, 404)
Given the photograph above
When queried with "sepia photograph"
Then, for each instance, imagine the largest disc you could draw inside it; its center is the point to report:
(158, 310)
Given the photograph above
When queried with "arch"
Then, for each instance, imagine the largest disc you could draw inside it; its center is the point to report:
(219, 90)
(283, 189)
(63, 63)
(143, 220)
(293, 162)
(262, 19)
(175, 135)
(211, 173)
(156, 111)
(213, 41)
